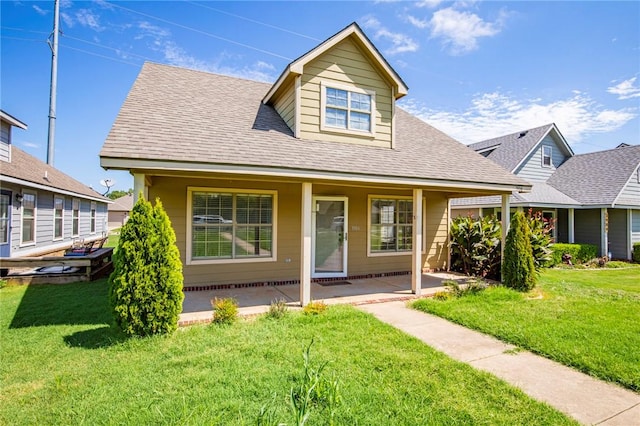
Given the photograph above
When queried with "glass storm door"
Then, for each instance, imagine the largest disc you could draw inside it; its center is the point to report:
(330, 237)
(5, 224)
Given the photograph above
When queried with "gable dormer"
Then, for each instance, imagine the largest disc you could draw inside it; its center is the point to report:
(341, 91)
(6, 122)
(546, 156)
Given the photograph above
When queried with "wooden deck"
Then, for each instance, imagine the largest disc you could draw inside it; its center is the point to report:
(90, 266)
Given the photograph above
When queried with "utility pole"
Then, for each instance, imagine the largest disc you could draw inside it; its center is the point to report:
(53, 45)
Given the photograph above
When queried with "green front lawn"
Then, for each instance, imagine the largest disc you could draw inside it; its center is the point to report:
(62, 363)
(588, 319)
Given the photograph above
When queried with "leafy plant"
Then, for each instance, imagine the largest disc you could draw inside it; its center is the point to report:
(475, 246)
(470, 287)
(541, 240)
(277, 309)
(146, 285)
(225, 311)
(636, 252)
(315, 307)
(518, 267)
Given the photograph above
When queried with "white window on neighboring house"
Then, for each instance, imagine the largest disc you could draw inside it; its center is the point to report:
(5, 200)
(546, 156)
(347, 109)
(28, 218)
(75, 217)
(93, 217)
(231, 225)
(390, 225)
(58, 218)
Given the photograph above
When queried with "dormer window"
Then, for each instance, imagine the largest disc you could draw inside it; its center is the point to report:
(546, 156)
(347, 109)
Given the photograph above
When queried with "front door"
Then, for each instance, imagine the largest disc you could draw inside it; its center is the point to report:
(330, 237)
(5, 224)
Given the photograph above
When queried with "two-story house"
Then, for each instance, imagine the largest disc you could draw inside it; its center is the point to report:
(42, 210)
(593, 198)
(318, 176)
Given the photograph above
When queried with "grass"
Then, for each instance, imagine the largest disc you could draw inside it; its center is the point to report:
(587, 319)
(64, 364)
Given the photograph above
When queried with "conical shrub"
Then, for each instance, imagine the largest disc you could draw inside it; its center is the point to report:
(518, 267)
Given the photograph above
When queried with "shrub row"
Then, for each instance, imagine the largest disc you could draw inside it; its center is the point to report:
(580, 253)
(636, 252)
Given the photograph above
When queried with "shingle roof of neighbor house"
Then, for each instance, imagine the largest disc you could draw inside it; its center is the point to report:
(597, 177)
(28, 168)
(540, 194)
(510, 150)
(185, 116)
(122, 204)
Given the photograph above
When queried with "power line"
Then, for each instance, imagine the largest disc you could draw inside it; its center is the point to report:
(99, 55)
(25, 30)
(253, 21)
(64, 35)
(266, 52)
(24, 39)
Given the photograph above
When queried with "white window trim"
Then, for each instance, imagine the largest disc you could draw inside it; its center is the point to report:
(93, 221)
(545, 147)
(79, 210)
(61, 237)
(554, 218)
(35, 220)
(323, 106)
(395, 253)
(189, 225)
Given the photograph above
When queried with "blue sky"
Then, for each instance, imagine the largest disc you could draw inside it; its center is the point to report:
(475, 70)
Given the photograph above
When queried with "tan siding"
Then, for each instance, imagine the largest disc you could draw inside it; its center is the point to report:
(344, 64)
(285, 106)
(436, 231)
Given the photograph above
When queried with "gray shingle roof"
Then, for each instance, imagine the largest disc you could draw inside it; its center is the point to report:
(122, 204)
(511, 149)
(28, 168)
(598, 177)
(541, 194)
(191, 116)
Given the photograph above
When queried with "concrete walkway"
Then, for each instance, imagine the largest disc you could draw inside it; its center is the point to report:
(588, 400)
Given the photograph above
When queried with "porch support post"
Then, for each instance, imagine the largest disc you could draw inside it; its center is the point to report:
(604, 243)
(139, 184)
(305, 255)
(571, 225)
(416, 264)
(629, 239)
(506, 221)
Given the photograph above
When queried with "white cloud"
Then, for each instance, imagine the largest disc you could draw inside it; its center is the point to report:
(31, 145)
(460, 31)
(625, 89)
(418, 23)
(87, 18)
(149, 30)
(400, 43)
(495, 114)
(431, 4)
(39, 10)
(67, 19)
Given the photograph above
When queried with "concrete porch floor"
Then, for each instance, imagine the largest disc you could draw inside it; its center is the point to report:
(196, 307)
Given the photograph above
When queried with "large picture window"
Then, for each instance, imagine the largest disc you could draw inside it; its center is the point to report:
(347, 109)
(28, 218)
(232, 225)
(391, 225)
(58, 210)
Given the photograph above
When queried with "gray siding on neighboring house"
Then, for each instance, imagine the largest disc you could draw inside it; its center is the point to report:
(45, 225)
(618, 233)
(532, 169)
(562, 226)
(5, 140)
(630, 195)
(587, 227)
(635, 226)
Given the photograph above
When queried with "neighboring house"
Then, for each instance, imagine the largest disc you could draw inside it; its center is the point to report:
(42, 210)
(318, 176)
(593, 198)
(119, 211)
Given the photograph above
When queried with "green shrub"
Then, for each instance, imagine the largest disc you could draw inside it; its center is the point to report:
(580, 253)
(315, 307)
(475, 246)
(225, 311)
(636, 252)
(442, 295)
(617, 264)
(470, 287)
(145, 287)
(3, 283)
(518, 268)
(540, 239)
(277, 309)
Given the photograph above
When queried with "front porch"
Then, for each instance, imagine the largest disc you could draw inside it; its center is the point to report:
(196, 307)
